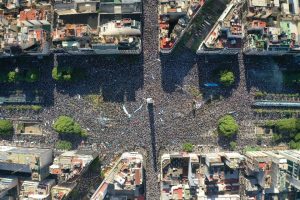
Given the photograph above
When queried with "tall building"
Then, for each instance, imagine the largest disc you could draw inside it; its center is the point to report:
(124, 181)
(100, 27)
(62, 191)
(35, 190)
(71, 164)
(174, 17)
(9, 187)
(32, 161)
(293, 167)
(221, 175)
(200, 176)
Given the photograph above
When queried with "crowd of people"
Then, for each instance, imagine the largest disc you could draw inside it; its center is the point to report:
(123, 121)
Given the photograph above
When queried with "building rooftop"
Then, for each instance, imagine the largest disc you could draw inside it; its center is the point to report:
(213, 159)
(125, 176)
(174, 16)
(200, 176)
(267, 26)
(291, 154)
(107, 34)
(7, 183)
(71, 164)
(36, 190)
(23, 150)
(34, 161)
(62, 191)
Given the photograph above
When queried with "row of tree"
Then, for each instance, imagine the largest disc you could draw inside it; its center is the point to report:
(286, 130)
(64, 125)
(29, 76)
(67, 73)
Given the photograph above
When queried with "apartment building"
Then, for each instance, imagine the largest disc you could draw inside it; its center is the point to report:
(71, 165)
(32, 161)
(174, 17)
(124, 181)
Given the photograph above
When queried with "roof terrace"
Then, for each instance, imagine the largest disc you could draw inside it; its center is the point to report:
(125, 179)
(174, 17)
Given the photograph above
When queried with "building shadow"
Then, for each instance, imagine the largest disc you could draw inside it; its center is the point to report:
(116, 78)
(271, 74)
(224, 142)
(209, 68)
(22, 92)
(174, 68)
(153, 136)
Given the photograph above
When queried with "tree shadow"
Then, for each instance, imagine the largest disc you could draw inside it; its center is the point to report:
(209, 68)
(73, 138)
(224, 142)
(174, 68)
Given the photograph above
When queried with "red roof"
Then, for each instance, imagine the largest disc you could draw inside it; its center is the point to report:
(258, 23)
(137, 177)
(39, 34)
(103, 187)
(179, 191)
(262, 165)
(28, 15)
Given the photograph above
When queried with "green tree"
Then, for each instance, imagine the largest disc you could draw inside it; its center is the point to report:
(31, 76)
(227, 78)
(63, 145)
(260, 94)
(286, 125)
(12, 76)
(62, 74)
(297, 125)
(67, 77)
(294, 145)
(188, 147)
(36, 107)
(66, 125)
(56, 74)
(297, 137)
(227, 126)
(276, 137)
(232, 145)
(270, 123)
(6, 127)
(252, 148)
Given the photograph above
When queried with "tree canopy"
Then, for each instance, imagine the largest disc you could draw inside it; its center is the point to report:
(227, 126)
(6, 127)
(232, 145)
(12, 76)
(31, 76)
(55, 74)
(62, 74)
(63, 145)
(188, 147)
(287, 125)
(287, 130)
(66, 125)
(227, 78)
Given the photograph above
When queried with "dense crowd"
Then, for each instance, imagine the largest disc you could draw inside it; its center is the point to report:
(124, 121)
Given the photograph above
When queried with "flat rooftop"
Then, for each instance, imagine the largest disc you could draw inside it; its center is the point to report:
(23, 150)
